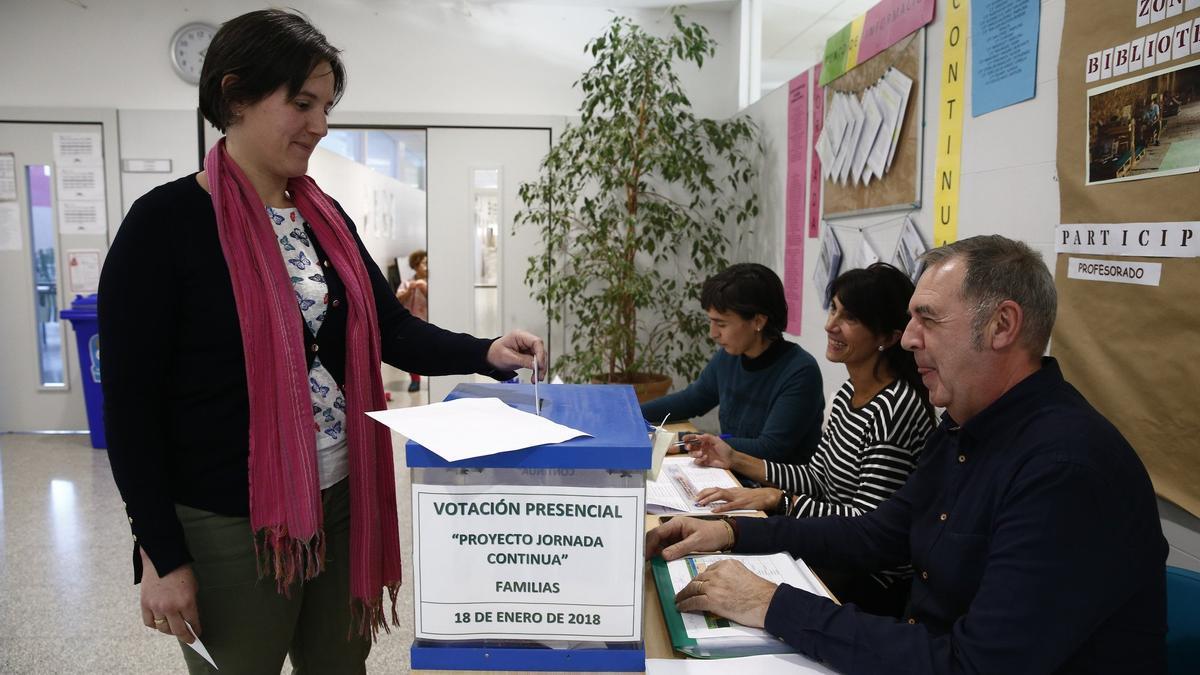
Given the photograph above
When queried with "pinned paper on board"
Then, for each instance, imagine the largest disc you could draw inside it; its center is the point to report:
(909, 247)
(862, 130)
(829, 263)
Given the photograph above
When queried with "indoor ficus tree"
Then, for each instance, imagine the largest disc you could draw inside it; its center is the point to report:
(635, 204)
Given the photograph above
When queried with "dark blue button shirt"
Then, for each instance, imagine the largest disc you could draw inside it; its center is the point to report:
(1035, 540)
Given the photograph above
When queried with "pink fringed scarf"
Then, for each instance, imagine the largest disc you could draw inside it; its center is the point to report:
(285, 495)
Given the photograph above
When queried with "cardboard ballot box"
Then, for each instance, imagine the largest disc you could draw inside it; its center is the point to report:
(532, 559)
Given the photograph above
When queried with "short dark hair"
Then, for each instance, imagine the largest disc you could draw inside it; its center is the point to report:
(748, 289)
(265, 50)
(1000, 269)
(415, 258)
(877, 297)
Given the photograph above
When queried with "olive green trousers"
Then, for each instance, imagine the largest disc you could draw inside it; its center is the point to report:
(247, 625)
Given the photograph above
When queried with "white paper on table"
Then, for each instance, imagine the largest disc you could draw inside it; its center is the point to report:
(473, 427)
(903, 86)
(681, 479)
(767, 664)
(199, 647)
(870, 130)
(888, 102)
(779, 568)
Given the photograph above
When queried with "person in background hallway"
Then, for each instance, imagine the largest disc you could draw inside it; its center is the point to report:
(870, 445)
(414, 295)
(1030, 522)
(769, 389)
(243, 325)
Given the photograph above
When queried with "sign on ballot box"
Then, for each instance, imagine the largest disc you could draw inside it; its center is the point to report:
(533, 559)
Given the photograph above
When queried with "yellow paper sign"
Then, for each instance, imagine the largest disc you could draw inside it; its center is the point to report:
(952, 109)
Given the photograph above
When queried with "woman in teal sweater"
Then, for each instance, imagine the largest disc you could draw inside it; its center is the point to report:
(769, 389)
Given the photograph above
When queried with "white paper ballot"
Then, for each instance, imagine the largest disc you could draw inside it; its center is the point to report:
(681, 479)
(902, 84)
(199, 647)
(767, 664)
(850, 146)
(870, 130)
(473, 427)
(888, 102)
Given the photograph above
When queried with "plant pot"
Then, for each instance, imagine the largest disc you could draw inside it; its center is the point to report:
(647, 386)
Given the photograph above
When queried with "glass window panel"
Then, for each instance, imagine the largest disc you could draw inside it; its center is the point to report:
(345, 142)
(45, 277)
(381, 153)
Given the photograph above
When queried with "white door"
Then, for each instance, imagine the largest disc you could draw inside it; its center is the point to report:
(50, 205)
(473, 178)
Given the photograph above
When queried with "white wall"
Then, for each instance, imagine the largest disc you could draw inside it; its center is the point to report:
(442, 57)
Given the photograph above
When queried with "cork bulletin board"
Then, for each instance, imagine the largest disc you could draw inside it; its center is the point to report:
(1132, 350)
(900, 187)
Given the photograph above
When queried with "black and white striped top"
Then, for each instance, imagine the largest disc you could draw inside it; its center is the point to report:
(865, 454)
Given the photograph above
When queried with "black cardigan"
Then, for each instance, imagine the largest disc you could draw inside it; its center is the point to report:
(176, 408)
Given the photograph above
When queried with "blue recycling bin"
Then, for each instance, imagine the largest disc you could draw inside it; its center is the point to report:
(82, 316)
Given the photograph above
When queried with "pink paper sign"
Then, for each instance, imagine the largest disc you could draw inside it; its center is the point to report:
(797, 204)
(814, 178)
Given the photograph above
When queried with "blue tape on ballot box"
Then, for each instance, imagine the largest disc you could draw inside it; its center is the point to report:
(466, 657)
(609, 412)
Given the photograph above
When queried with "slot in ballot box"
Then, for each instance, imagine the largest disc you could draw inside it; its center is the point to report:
(533, 559)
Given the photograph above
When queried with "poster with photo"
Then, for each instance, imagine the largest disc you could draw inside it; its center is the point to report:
(1146, 126)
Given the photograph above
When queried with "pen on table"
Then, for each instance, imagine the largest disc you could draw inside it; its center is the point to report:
(680, 444)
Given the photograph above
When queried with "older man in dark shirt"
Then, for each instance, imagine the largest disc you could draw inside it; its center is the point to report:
(1030, 522)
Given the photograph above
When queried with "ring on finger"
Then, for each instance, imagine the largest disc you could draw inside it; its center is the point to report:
(160, 621)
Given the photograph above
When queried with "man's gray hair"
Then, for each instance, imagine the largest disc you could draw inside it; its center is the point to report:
(1000, 269)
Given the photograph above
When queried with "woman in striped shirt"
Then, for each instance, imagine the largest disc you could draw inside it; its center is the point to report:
(878, 424)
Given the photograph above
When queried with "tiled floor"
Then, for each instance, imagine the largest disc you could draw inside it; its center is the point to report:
(67, 602)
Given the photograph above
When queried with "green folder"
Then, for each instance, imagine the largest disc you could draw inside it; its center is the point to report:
(711, 648)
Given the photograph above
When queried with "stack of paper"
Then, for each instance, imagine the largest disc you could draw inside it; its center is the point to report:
(681, 479)
(862, 131)
(710, 636)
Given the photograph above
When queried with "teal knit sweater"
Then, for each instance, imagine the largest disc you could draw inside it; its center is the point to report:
(771, 405)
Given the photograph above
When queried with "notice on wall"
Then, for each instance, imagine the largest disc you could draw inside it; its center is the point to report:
(885, 24)
(814, 174)
(797, 203)
(82, 182)
(10, 226)
(1004, 42)
(77, 149)
(83, 271)
(82, 216)
(8, 176)
(528, 562)
(1114, 271)
(1149, 240)
(950, 125)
